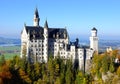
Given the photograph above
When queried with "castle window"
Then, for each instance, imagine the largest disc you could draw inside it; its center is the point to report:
(35, 45)
(39, 45)
(31, 45)
(35, 40)
(36, 53)
(36, 49)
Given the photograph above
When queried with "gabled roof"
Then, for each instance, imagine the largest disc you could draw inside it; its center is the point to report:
(60, 32)
(37, 32)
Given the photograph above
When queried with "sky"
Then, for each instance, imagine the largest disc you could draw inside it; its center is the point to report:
(78, 16)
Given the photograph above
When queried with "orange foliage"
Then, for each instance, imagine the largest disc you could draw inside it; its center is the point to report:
(4, 73)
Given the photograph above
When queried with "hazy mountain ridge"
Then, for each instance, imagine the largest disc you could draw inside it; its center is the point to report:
(103, 43)
(9, 41)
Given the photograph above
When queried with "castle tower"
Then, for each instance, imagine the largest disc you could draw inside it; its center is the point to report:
(46, 41)
(36, 18)
(94, 40)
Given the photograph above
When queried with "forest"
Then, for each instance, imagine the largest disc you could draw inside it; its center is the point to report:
(18, 70)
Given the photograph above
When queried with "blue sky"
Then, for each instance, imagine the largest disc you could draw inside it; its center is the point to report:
(78, 16)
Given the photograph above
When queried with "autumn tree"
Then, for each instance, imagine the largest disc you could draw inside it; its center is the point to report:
(2, 60)
(5, 74)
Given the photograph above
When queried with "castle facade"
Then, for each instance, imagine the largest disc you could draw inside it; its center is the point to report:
(38, 43)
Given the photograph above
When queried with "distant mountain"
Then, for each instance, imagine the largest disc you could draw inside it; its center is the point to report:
(9, 41)
(103, 43)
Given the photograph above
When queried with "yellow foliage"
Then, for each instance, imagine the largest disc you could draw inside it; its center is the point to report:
(118, 71)
(24, 76)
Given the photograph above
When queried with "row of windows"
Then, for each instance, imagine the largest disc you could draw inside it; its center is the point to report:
(40, 58)
(39, 49)
(36, 45)
(62, 53)
(40, 53)
(37, 40)
(40, 45)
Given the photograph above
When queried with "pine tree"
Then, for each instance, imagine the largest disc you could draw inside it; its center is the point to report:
(2, 60)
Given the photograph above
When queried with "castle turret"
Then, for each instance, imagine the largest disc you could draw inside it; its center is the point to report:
(94, 40)
(46, 41)
(36, 18)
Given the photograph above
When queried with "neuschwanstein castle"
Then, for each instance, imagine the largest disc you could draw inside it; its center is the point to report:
(37, 43)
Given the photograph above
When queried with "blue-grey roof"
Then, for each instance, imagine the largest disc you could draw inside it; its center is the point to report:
(46, 24)
(36, 13)
(54, 32)
(94, 28)
(37, 32)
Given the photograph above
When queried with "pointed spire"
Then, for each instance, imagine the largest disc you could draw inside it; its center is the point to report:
(36, 18)
(36, 13)
(94, 29)
(24, 24)
(46, 24)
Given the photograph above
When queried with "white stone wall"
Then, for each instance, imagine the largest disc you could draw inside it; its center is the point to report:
(24, 40)
(45, 45)
(36, 49)
(81, 58)
(94, 40)
(94, 43)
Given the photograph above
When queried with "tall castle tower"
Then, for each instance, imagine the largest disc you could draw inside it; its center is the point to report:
(46, 41)
(36, 18)
(94, 40)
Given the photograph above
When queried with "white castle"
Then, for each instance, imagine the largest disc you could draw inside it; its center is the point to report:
(38, 43)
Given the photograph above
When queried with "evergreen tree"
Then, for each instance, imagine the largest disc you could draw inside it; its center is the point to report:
(2, 60)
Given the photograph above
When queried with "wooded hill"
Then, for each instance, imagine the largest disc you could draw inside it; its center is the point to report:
(18, 71)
